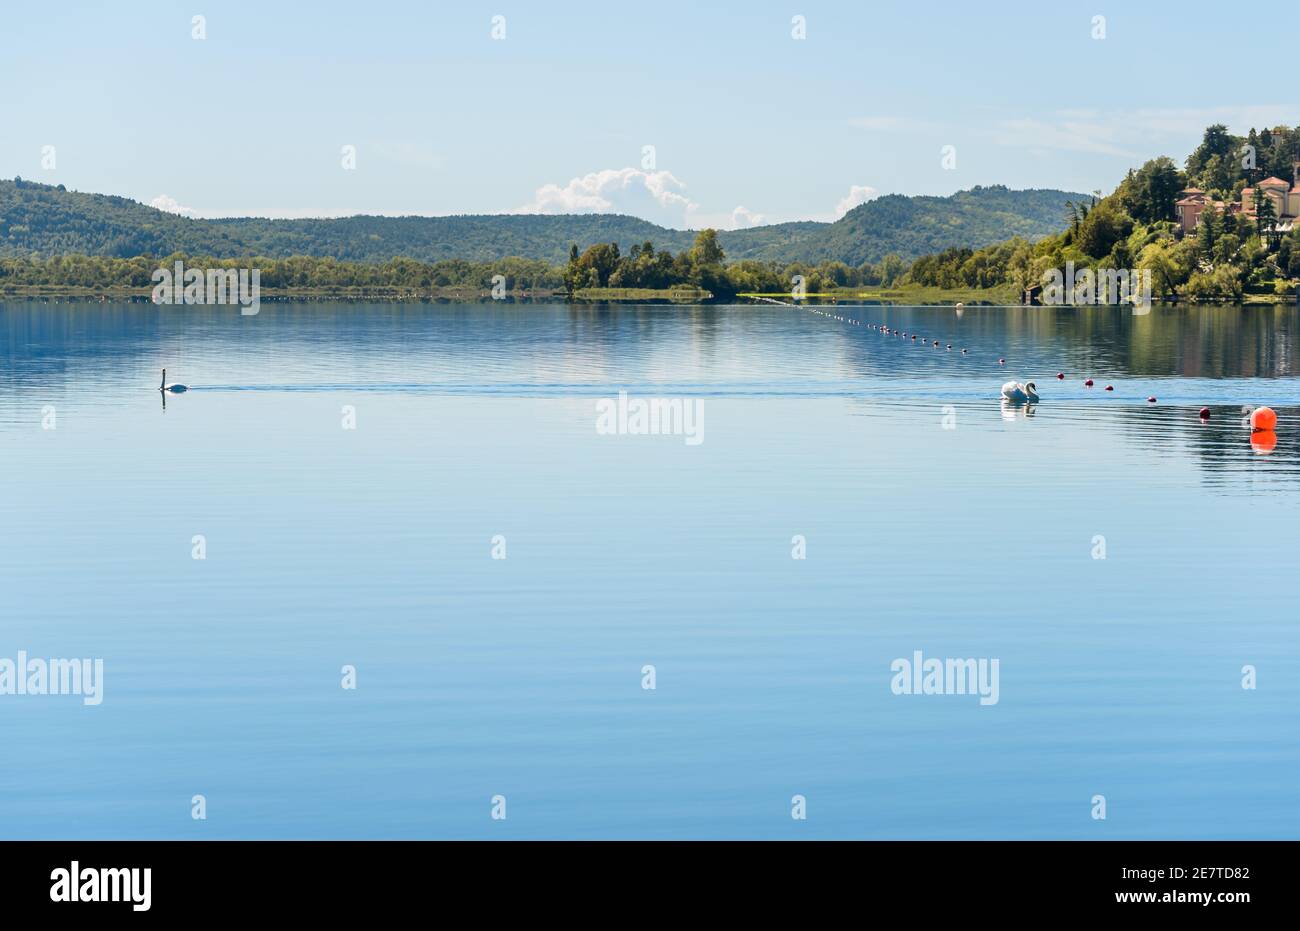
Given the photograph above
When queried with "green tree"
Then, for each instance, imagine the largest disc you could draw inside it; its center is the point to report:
(1217, 141)
(1207, 231)
(1148, 195)
(707, 253)
(891, 268)
(1170, 265)
(1102, 227)
(1266, 218)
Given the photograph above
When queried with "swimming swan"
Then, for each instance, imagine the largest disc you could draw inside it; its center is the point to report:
(1014, 391)
(173, 388)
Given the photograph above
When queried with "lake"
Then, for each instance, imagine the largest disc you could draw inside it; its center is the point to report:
(348, 472)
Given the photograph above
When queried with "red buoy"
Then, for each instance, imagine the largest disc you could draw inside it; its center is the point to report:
(1110, 387)
(1205, 413)
(1152, 399)
(1088, 383)
(1263, 419)
(1060, 376)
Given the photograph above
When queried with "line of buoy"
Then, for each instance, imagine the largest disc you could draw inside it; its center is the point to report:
(1263, 420)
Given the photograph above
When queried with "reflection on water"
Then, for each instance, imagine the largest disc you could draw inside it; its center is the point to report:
(936, 518)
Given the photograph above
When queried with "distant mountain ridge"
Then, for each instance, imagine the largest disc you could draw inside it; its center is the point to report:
(44, 220)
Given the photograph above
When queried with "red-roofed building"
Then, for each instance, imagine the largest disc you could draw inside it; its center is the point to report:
(1285, 198)
(1192, 203)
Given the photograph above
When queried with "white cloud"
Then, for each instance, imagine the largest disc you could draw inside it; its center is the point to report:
(744, 218)
(171, 205)
(652, 195)
(858, 194)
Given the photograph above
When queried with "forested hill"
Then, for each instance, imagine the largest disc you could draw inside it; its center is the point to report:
(917, 226)
(38, 219)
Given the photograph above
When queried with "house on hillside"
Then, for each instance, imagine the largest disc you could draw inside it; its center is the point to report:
(1285, 197)
(1189, 206)
(1192, 203)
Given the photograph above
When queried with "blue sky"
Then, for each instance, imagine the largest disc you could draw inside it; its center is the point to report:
(748, 124)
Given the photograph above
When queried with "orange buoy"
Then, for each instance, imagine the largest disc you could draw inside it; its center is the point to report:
(1263, 441)
(1263, 419)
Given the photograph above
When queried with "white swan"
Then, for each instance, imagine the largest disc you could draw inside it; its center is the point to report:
(1018, 393)
(173, 387)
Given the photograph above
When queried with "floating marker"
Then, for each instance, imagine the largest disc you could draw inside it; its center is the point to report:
(1262, 419)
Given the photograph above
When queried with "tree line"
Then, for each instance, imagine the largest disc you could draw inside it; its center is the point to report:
(704, 265)
(603, 265)
(303, 272)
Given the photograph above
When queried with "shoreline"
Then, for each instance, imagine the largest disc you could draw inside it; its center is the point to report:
(907, 296)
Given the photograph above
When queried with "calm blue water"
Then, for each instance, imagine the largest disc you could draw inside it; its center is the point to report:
(522, 677)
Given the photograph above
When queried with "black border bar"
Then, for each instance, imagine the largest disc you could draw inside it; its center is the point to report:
(334, 879)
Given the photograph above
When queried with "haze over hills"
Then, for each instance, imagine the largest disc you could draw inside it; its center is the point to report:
(42, 220)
